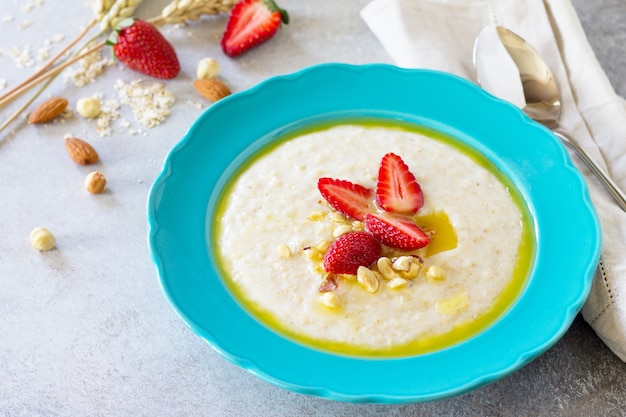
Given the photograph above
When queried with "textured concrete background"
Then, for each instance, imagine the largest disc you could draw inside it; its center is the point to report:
(85, 329)
(605, 25)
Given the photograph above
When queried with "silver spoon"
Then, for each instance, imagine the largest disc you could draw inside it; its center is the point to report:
(539, 94)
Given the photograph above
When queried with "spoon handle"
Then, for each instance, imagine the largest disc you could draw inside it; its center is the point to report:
(604, 178)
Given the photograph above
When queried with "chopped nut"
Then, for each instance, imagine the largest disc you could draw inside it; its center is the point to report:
(316, 215)
(413, 272)
(385, 269)
(207, 68)
(436, 273)
(397, 283)
(330, 300)
(402, 263)
(358, 226)
(323, 246)
(347, 277)
(313, 254)
(283, 251)
(341, 230)
(454, 304)
(42, 239)
(337, 217)
(95, 182)
(368, 279)
(329, 284)
(88, 107)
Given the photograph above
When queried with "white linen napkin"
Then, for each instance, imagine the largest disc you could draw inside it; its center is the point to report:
(439, 34)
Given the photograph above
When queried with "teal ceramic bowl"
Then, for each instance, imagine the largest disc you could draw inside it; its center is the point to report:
(566, 229)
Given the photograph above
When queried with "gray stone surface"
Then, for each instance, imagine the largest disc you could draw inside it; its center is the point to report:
(604, 23)
(85, 329)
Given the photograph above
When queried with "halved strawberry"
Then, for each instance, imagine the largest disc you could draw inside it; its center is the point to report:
(397, 190)
(348, 198)
(396, 232)
(251, 22)
(349, 251)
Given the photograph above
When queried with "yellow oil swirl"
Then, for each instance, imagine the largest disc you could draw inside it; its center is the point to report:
(440, 230)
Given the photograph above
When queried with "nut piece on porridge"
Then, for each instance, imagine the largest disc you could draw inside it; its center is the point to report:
(412, 272)
(435, 273)
(402, 263)
(454, 304)
(330, 300)
(385, 268)
(348, 277)
(316, 215)
(397, 283)
(283, 251)
(341, 230)
(368, 279)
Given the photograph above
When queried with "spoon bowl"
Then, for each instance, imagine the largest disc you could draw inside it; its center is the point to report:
(541, 97)
(541, 93)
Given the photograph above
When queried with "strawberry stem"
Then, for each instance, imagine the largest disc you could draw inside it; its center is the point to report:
(284, 16)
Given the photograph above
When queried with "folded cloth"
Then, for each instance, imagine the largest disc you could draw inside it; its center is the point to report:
(439, 34)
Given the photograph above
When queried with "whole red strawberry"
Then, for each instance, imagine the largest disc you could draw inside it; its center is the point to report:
(141, 47)
(349, 251)
(251, 22)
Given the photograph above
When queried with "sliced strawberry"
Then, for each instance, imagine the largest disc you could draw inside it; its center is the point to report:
(397, 190)
(395, 232)
(348, 198)
(349, 251)
(251, 22)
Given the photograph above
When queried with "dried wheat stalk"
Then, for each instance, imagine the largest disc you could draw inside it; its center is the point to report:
(183, 11)
(109, 13)
(119, 11)
(101, 8)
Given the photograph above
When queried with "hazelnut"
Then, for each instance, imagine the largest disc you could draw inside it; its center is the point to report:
(42, 239)
(207, 68)
(95, 182)
(88, 107)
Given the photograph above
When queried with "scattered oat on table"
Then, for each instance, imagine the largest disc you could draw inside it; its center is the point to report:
(88, 69)
(150, 102)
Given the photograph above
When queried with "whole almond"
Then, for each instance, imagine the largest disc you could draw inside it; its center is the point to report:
(80, 151)
(211, 89)
(48, 110)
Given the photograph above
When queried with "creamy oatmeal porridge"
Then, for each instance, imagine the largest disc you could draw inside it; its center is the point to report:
(273, 228)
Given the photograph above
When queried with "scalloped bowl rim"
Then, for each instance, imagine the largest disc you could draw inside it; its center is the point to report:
(392, 92)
